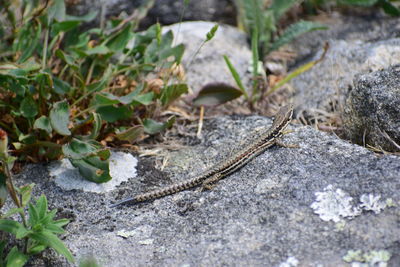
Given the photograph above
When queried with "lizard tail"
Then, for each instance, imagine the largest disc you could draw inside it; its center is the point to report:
(124, 201)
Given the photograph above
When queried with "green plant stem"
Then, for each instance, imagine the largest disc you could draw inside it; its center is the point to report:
(90, 72)
(133, 68)
(85, 111)
(194, 55)
(6, 127)
(46, 40)
(75, 104)
(10, 184)
(63, 70)
(185, 4)
(11, 190)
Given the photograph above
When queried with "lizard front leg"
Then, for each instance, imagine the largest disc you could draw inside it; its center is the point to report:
(209, 183)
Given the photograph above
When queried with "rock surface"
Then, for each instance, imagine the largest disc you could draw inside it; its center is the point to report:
(372, 110)
(318, 204)
(352, 51)
(165, 12)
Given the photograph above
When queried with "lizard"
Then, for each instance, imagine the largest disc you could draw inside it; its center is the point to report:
(208, 178)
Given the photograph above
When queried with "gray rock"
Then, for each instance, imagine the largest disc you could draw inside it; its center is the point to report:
(165, 11)
(170, 11)
(367, 27)
(318, 204)
(372, 111)
(325, 87)
(353, 50)
(208, 66)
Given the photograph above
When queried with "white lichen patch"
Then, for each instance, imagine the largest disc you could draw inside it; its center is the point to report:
(125, 234)
(142, 232)
(335, 204)
(374, 258)
(290, 262)
(122, 167)
(372, 203)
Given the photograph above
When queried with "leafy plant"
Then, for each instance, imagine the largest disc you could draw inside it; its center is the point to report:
(64, 92)
(39, 230)
(261, 21)
(261, 24)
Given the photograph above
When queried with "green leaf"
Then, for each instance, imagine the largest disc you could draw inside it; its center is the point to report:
(105, 99)
(253, 16)
(25, 192)
(155, 52)
(45, 81)
(55, 229)
(91, 162)
(85, 18)
(51, 240)
(172, 92)
(98, 86)
(11, 212)
(358, 2)
(113, 114)
(144, 99)
(108, 99)
(28, 107)
(66, 58)
(389, 8)
(15, 258)
(295, 30)
(17, 88)
(63, 26)
(98, 50)
(61, 87)
(60, 222)
(97, 124)
(279, 7)
(215, 94)
(28, 41)
(153, 127)
(176, 52)
(119, 41)
(93, 169)
(36, 249)
(59, 117)
(47, 219)
(78, 149)
(43, 123)
(235, 76)
(33, 215)
(10, 226)
(57, 11)
(41, 206)
(131, 134)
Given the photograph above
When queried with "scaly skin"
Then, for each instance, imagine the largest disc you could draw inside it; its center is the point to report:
(226, 167)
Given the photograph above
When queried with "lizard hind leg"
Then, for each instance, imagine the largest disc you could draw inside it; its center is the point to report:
(210, 183)
(280, 143)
